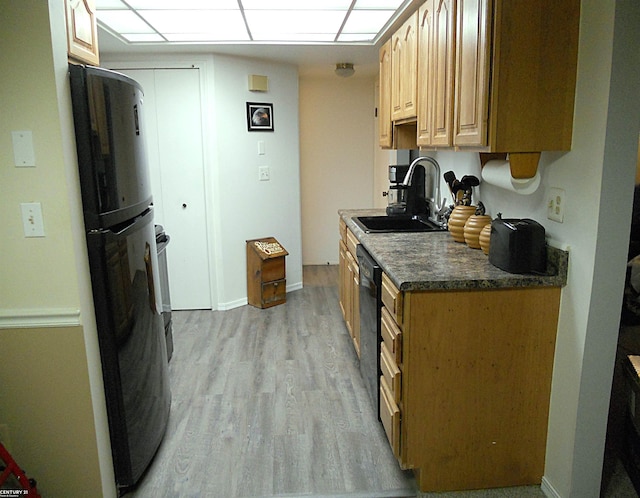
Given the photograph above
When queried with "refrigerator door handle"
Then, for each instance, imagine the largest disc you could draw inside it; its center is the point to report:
(140, 221)
(150, 286)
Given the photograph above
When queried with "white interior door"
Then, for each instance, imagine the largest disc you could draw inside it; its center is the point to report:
(173, 120)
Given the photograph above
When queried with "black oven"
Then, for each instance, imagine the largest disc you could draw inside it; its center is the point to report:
(370, 305)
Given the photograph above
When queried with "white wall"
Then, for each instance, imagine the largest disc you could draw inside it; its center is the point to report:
(246, 207)
(239, 206)
(337, 158)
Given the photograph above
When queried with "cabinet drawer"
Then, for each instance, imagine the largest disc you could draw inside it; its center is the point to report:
(352, 242)
(342, 228)
(391, 335)
(274, 292)
(390, 417)
(273, 269)
(392, 298)
(391, 373)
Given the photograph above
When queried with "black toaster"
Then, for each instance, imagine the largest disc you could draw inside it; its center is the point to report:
(518, 246)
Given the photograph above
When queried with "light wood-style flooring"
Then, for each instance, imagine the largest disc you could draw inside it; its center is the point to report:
(270, 403)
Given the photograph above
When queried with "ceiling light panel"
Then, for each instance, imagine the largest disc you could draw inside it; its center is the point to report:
(110, 5)
(264, 22)
(220, 22)
(295, 5)
(123, 21)
(378, 4)
(356, 37)
(143, 37)
(290, 21)
(366, 21)
(184, 4)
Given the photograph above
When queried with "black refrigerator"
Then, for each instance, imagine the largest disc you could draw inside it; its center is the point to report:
(121, 242)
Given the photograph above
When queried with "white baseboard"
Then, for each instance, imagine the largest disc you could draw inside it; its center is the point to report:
(548, 489)
(38, 318)
(241, 302)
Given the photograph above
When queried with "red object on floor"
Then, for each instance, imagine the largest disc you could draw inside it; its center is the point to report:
(11, 467)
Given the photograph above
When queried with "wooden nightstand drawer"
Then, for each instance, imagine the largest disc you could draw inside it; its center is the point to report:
(391, 335)
(274, 293)
(273, 269)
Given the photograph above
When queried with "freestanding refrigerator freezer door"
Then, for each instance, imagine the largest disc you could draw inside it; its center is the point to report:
(127, 298)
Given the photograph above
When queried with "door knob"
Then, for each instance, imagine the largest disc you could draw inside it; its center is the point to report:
(184, 206)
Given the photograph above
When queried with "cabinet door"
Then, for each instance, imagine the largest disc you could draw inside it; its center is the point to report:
(82, 31)
(472, 73)
(425, 73)
(384, 108)
(355, 306)
(442, 69)
(343, 271)
(349, 297)
(404, 70)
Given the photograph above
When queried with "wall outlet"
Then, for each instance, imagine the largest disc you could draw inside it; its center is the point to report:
(263, 173)
(32, 219)
(556, 204)
(5, 437)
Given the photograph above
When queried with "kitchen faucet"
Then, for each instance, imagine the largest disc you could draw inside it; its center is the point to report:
(437, 205)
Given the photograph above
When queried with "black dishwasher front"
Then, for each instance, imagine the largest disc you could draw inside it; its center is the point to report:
(370, 305)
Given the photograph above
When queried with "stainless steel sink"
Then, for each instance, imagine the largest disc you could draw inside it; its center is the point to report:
(382, 224)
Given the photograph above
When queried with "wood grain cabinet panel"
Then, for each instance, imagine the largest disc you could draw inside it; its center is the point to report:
(472, 73)
(390, 417)
(385, 125)
(82, 31)
(404, 70)
(391, 335)
(391, 298)
(476, 381)
(349, 283)
(492, 75)
(391, 373)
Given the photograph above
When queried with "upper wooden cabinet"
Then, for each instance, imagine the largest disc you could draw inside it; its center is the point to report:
(384, 109)
(82, 31)
(493, 75)
(404, 70)
(533, 75)
(472, 73)
(436, 52)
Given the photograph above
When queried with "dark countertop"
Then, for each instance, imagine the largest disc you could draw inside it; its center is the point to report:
(434, 261)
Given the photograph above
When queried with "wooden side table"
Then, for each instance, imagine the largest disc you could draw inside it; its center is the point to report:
(266, 273)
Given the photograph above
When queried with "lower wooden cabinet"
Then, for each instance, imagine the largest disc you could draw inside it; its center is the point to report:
(349, 284)
(465, 385)
(390, 417)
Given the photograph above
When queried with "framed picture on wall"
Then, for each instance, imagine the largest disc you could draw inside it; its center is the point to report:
(259, 116)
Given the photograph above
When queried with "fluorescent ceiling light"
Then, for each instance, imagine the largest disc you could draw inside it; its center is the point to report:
(259, 21)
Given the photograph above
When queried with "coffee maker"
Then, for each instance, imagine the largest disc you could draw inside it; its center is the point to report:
(409, 200)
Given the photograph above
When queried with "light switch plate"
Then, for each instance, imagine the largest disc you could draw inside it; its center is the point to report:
(23, 153)
(32, 219)
(263, 173)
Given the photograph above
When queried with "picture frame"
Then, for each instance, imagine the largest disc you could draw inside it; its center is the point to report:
(259, 116)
